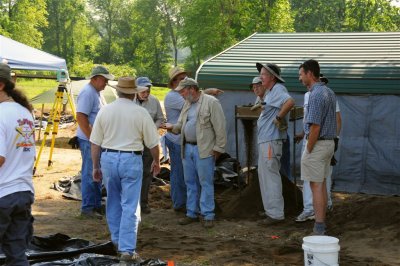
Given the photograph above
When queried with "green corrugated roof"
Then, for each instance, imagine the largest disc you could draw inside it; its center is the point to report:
(354, 62)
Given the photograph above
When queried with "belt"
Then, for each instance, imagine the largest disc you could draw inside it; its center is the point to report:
(191, 142)
(111, 150)
(321, 138)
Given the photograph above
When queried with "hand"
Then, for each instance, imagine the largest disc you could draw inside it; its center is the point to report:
(155, 168)
(281, 124)
(216, 155)
(213, 91)
(97, 175)
(166, 126)
(299, 137)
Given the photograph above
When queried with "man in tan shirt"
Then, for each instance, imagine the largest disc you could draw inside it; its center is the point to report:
(202, 126)
(119, 131)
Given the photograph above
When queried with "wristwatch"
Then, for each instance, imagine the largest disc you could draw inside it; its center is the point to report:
(278, 118)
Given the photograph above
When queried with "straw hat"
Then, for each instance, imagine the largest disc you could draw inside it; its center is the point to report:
(173, 73)
(127, 85)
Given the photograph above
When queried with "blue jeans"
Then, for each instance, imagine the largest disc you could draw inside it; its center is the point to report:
(91, 191)
(122, 176)
(16, 226)
(199, 179)
(177, 181)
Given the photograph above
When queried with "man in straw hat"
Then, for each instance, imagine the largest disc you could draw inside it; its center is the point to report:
(173, 104)
(89, 102)
(17, 153)
(202, 125)
(118, 135)
(272, 125)
(320, 131)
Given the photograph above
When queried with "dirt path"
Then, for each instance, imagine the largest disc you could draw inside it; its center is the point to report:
(367, 226)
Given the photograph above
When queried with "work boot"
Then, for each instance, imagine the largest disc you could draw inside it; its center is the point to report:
(127, 259)
(91, 215)
(208, 224)
(187, 220)
(270, 221)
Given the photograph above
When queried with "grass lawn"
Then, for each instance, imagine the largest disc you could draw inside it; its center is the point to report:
(33, 87)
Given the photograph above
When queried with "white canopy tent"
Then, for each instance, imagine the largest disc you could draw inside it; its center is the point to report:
(21, 56)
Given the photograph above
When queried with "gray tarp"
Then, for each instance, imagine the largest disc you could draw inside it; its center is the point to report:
(369, 147)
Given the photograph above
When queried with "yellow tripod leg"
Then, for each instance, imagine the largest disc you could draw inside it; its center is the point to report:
(56, 122)
(46, 133)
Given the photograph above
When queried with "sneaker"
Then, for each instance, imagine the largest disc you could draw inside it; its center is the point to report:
(91, 215)
(208, 223)
(146, 209)
(127, 259)
(305, 216)
(270, 221)
(187, 220)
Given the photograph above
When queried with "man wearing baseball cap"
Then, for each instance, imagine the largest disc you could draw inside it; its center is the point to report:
(272, 125)
(89, 103)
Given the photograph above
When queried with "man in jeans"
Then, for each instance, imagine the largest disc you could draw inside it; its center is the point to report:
(118, 135)
(153, 106)
(89, 103)
(173, 104)
(202, 126)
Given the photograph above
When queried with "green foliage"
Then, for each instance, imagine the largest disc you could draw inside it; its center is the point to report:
(143, 37)
(22, 20)
(83, 69)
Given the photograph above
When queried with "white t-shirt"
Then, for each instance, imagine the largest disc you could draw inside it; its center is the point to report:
(124, 126)
(17, 146)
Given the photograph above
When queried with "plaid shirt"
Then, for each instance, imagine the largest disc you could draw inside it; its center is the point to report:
(321, 110)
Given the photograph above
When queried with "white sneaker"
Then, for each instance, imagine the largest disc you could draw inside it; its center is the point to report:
(305, 216)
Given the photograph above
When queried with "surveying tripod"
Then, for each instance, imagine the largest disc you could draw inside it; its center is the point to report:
(54, 121)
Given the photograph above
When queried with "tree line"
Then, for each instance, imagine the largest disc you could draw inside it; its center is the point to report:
(147, 37)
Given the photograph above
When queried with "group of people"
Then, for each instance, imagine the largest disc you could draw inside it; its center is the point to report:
(322, 123)
(119, 144)
(119, 148)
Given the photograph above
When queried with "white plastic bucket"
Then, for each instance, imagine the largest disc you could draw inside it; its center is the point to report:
(321, 250)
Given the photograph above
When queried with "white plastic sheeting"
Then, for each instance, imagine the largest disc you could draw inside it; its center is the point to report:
(21, 56)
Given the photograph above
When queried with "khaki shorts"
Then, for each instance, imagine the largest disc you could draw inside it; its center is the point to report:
(315, 165)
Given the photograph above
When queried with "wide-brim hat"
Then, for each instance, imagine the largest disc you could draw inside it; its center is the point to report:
(256, 80)
(187, 82)
(173, 73)
(101, 71)
(127, 85)
(271, 68)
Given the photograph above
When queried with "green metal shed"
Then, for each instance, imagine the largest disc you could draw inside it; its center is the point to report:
(355, 63)
(364, 71)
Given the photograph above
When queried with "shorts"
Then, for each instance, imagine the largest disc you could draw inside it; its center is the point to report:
(315, 165)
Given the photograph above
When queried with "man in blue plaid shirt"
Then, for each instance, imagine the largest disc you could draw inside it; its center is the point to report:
(320, 130)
